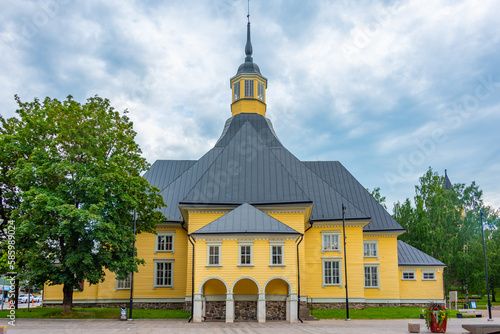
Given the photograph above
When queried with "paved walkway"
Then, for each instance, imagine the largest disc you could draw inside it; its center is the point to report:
(43, 326)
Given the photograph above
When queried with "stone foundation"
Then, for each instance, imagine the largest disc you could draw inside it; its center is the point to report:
(215, 310)
(245, 310)
(275, 310)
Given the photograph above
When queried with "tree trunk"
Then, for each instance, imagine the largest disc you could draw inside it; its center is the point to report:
(16, 294)
(493, 299)
(67, 298)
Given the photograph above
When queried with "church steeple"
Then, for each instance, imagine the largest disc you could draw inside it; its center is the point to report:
(248, 85)
(248, 46)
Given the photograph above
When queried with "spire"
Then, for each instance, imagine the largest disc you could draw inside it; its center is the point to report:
(248, 46)
(447, 183)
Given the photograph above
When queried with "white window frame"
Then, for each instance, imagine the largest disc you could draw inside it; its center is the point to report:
(331, 259)
(249, 88)
(245, 244)
(433, 272)
(331, 233)
(280, 245)
(371, 242)
(158, 261)
(408, 272)
(217, 245)
(236, 90)
(121, 284)
(260, 90)
(378, 276)
(165, 234)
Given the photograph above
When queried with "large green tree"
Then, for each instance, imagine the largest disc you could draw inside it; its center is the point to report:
(77, 173)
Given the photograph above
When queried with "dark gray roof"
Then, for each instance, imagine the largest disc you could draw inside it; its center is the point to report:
(246, 219)
(337, 176)
(163, 172)
(248, 164)
(410, 256)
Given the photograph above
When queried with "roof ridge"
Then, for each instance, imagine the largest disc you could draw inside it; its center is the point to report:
(258, 138)
(335, 189)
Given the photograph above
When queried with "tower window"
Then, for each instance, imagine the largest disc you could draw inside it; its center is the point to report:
(260, 90)
(236, 89)
(248, 88)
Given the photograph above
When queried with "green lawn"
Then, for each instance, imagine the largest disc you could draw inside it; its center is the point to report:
(374, 313)
(95, 313)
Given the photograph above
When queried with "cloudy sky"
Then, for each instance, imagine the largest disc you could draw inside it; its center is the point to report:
(388, 88)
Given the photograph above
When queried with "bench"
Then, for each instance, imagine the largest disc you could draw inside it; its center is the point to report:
(482, 329)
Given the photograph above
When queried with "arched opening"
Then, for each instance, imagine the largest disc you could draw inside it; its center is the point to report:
(214, 294)
(276, 290)
(246, 293)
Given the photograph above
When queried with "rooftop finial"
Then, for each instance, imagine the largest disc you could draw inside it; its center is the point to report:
(248, 46)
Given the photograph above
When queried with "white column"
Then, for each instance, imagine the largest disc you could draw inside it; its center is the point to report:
(291, 307)
(229, 307)
(197, 308)
(261, 308)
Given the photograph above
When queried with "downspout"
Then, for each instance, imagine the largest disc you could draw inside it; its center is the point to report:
(307, 229)
(298, 279)
(192, 278)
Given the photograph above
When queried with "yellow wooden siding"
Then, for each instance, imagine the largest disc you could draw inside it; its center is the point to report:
(388, 269)
(420, 289)
(230, 271)
(313, 277)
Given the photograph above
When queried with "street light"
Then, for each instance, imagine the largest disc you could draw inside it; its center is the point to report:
(345, 266)
(132, 273)
(486, 269)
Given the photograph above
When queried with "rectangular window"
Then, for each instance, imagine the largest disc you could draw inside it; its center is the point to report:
(428, 276)
(124, 284)
(164, 242)
(236, 91)
(370, 249)
(260, 90)
(331, 272)
(245, 254)
(408, 275)
(330, 241)
(164, 273)
(277, 255)
(213, 258)
(371, 277)
(248, 88)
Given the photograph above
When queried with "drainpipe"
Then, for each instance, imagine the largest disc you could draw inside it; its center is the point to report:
(298, 279)
(307, 229)
(192, 279)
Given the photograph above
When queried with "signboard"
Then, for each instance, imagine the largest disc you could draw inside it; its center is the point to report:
(453, 296)
(473, 305)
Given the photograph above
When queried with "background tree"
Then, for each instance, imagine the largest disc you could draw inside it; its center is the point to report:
(445, 223)
(78, 175)
(378, 196)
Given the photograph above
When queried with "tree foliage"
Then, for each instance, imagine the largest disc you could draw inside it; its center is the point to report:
(77, 175)
(445, 223)
(378, 196)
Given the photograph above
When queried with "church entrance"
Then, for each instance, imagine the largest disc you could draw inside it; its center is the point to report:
(276, 299)
(246, 294)
(214, 295)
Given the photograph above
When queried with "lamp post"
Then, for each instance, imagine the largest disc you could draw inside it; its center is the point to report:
(345, 266)
(486, 270)
(132, 274)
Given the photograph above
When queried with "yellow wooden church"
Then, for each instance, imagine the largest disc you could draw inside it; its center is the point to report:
(253, 232)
